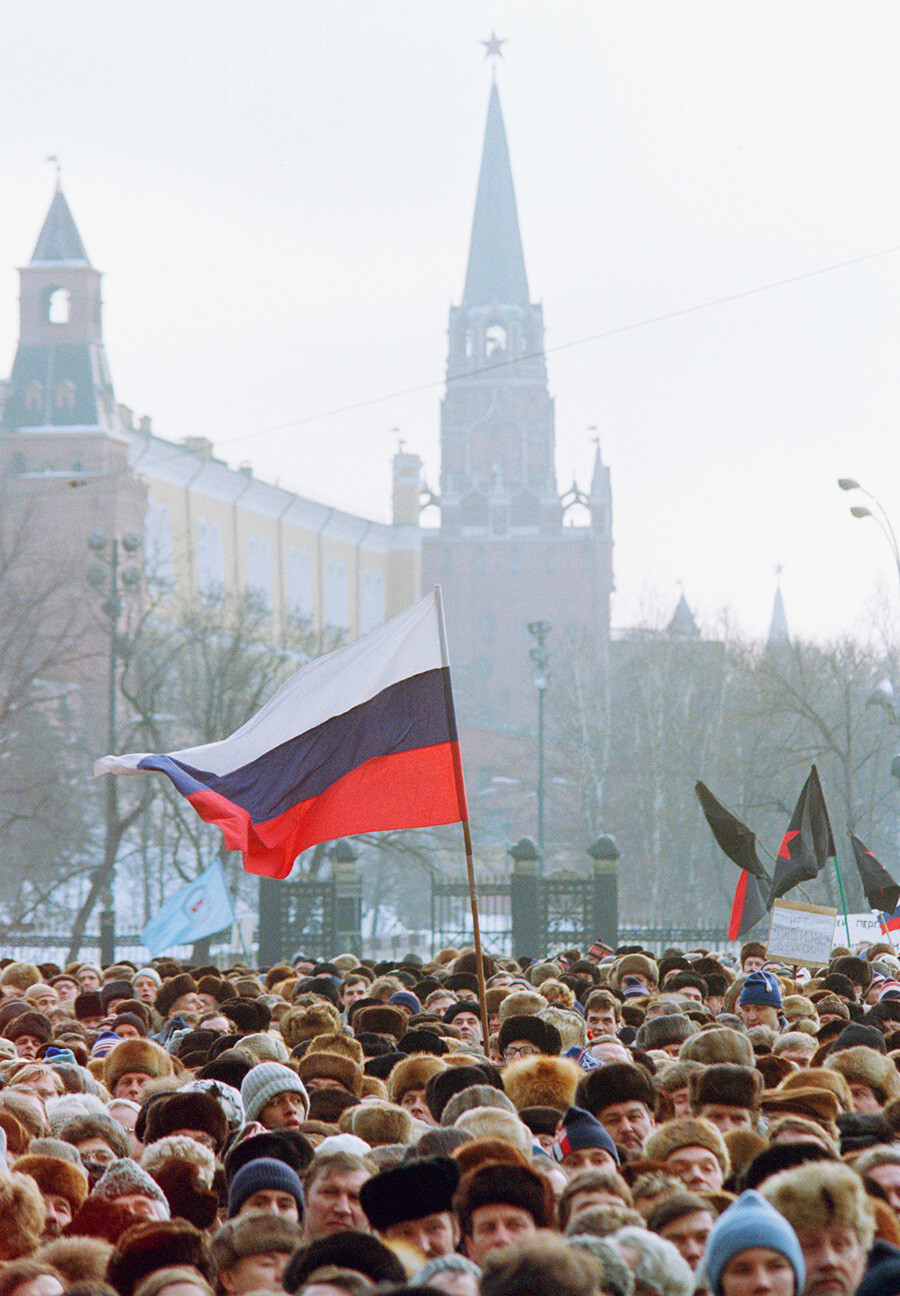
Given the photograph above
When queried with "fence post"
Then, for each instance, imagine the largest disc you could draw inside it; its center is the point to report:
(605, 854)
(347, 899)
(272, 901)
(525, 908)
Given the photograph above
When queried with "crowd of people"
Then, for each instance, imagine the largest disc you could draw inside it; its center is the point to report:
(632, 1126)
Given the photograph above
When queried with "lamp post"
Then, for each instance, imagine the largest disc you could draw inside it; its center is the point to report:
(107, 573)
(540, 678)
(880, 516)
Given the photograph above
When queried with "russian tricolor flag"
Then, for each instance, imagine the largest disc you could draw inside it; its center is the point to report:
(361, 740)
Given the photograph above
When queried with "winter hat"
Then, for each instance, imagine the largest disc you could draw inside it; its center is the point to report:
(56, 1177)
(252, 1235)
(130, 1019)
(521, 1003)
(409, 1192)
(172, 990)
(331, 1066)
(406, 999)
(577, 1130)
(382, 1020)
(125, 1178)
(750, 1222)
(9, 1009)
(856, 1035)
(305, 1021)
(534, 1030)
(148, 972)
(478, 1095)
(760, 988)
(87, 1004)
(819, 1078)
(20, 975)
(228, 1068)
(135, 1055)
(265, 1047)
(421, 1041)
(287, 1145)
(180, 1146)
(105, 1042)
(619, 1082)
(144, 1248)
(248, 1015)
(260, 1174)
(379, 1124)
(542, 1082)
(265, 1082)
(728, 1085)
(412, 1073)
(188, 1196)
(638, 964)
(179, 1111)
(861, 1065)
(675, 1134)
(509, 1185)
(448, 1081)
(115, 990)
(673, 1028)
(76, 1129)
(227, 1096)
(30, 1023)
(722, 1044)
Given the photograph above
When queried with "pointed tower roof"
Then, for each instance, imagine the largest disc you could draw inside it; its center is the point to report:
(778, 626)
(683, 625)
(496, 269)
(59, 239)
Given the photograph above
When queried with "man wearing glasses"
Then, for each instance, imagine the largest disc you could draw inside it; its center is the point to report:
(528, 1037)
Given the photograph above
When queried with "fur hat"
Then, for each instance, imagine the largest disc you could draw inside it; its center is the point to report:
(259, 1174)
(265, 1047)
(146, 1247)
(17, 1136)
(338, 1042)
(863, 1065)
(56, 1177)
(542, 1082)
(448, 1081)
(798, 1127)
(172, 990)
(722, 1044)
(87, 1004)
(542, 1034)
(249, 1016)
(287, 1145)
(634, 964)
(178, 1111)
(478, 1095)
(409, 1192)
(253, 1235)
(331, 1066)
(619, 1082)
(264, 1082)
(305, 1021)
(135, 1055)
(820, 1195)
(185, 1149)
(114, 990)
(521, 1003)
(820, 1078)
(508, 1185)
(77, 1260)
(188, 1197)
(30, 1023)
(819, 1105)
(673, 1028)
(20, 975)
(379, 1124)
(382, 1020)
(568, 1022)
(229, 1067)
(22, 1215)
(730, 1086)
(346, 1249)
(421, 1040)
(675, 1134)
(412, 1073)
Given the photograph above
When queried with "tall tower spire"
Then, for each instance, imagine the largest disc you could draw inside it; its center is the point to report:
(496, 268)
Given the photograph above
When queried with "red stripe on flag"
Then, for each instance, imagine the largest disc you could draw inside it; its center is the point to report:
(414, 789)
(737, 907)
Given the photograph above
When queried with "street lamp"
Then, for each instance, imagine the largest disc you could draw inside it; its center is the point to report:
(107, 573)
(880, 517)
(540, 678)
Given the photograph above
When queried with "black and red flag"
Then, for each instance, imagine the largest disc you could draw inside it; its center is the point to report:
(739, 844)
(882, 892)
(808, 842)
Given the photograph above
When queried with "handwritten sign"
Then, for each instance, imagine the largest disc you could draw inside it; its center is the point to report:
(801, 933)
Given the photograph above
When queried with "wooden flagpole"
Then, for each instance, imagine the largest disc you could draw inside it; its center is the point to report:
(467, 836)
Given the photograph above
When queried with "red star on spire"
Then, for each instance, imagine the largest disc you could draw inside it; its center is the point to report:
(492, 46)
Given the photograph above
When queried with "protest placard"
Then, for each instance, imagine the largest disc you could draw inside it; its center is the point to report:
(801, 933)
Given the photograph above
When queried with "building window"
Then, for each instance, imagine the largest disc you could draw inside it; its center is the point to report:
(210, 562)
(58, 305)
(65, 395)
(299, 583)
(34, 396)
(259, 576)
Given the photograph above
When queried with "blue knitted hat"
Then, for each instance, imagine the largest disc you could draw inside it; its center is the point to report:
(263, 1174)
(750, 1222)
(761, 988)
(577, 1130)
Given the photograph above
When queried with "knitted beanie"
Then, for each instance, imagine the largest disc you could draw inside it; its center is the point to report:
(263, 1174)
(750, 1222)
(265, 1082)
(760, 988)
(578, 1130)
(148, 972)
(126, 1178)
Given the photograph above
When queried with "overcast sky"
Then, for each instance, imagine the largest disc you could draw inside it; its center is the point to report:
(280, 195)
